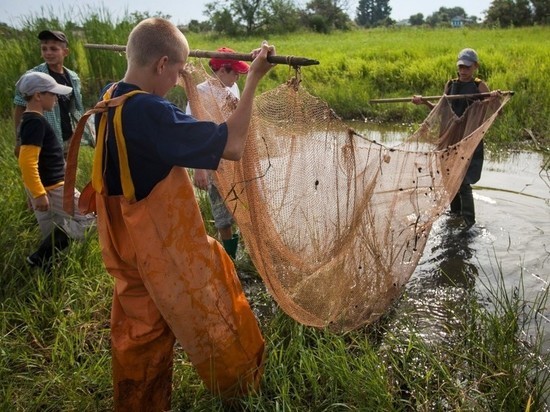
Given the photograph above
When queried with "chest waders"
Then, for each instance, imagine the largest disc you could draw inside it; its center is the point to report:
(463, 203)
(173, 281)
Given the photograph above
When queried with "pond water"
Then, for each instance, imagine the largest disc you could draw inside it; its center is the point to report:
(510, 242)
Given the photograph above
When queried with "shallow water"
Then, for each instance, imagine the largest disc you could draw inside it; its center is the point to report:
(510, 243)
(511, 238)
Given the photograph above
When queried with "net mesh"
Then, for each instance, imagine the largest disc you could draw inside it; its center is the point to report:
(334, 222)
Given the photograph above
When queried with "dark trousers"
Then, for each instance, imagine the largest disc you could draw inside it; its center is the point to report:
(55, 241)
(463, 204)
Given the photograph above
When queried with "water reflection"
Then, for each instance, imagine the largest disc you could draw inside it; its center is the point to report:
(511, 238)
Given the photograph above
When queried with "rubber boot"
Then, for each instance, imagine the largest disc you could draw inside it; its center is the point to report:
(230, 246)
(468, 208)
(456, 206)
(55, 241)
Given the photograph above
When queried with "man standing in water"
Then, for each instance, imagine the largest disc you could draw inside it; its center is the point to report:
(466, 83)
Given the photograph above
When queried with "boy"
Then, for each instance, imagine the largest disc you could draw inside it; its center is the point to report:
(227, 73)
(43, 167)
(54, 49)
(171, 279)
(466, 83)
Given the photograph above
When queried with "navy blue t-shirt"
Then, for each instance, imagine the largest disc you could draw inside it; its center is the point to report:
(158, 137)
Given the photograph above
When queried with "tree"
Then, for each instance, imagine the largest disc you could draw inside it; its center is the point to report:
(253, 16)
(416, 19)
(444, 15)
(281, 16)
(330, 11)
(196, 26)
(248, 12)
(541, 11)
(372, 13)
(524, 14)
(234, 16)
(505, 13)
(221, 19)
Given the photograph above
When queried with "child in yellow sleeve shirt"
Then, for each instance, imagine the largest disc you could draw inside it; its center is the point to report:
(43, 169)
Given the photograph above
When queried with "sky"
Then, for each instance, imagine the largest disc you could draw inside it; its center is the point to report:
(13, 12)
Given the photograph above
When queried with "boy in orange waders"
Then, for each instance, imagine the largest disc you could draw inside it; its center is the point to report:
(172, 280)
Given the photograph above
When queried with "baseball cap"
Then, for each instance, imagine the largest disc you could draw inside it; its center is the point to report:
(237, 65)
(467, 57)
(38, 82)
(53, 35)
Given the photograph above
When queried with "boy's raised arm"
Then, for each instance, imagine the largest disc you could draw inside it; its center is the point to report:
(238, 122)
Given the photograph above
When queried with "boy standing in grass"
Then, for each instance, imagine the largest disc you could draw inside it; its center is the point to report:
(466, 83)
(227, 73)
(43, 168)
(54, 49)
(171, 279)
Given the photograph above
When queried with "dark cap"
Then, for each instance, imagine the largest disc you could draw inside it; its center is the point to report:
(53, 35)
(236, 65)
(467, 57)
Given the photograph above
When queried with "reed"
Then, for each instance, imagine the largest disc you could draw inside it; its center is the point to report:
(55, 354)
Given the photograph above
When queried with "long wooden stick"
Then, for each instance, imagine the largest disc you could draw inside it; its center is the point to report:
(450, 97)
(278, 59)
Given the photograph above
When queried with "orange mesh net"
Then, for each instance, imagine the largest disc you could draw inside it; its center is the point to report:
(335, 223)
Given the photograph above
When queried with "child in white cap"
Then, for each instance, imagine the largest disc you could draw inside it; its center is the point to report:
(43, 168)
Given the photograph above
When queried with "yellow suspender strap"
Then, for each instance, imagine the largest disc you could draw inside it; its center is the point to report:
(128, 189)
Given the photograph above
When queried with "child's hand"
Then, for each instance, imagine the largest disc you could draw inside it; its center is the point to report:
(417, 99)
(260, 64)
(200, 179)
(41, 203)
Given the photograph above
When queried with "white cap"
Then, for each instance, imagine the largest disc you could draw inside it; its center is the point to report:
(38, 82)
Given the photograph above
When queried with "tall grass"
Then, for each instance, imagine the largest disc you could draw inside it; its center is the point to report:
(54, 330)
(354, 67)
(55, 355)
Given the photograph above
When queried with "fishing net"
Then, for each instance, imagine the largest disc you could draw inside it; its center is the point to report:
(335, 222)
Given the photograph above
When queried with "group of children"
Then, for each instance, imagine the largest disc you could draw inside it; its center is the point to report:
(48, 102)
(151, 232)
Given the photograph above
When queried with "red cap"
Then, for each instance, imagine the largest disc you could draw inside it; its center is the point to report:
(236, 65)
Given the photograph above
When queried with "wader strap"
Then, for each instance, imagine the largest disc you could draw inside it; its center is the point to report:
(74, 147)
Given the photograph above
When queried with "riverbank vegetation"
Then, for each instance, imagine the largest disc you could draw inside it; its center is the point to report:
(354, 67)
(54, 330)
(55, 354)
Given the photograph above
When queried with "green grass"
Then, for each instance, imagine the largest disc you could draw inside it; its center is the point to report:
(54, 330)
(55, 353)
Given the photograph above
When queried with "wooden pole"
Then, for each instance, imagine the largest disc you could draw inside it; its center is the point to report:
(450, 97)
(278, 59)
